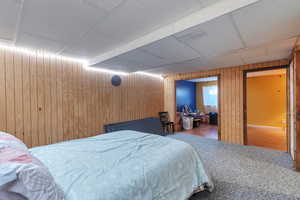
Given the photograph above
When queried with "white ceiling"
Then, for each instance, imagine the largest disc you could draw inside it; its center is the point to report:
(263, 31)
(86, 28)
(236, 38)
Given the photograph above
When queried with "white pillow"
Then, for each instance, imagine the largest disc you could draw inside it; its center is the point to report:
(25, 177)
(8, 140)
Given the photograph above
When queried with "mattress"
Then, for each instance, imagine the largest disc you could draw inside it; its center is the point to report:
(125, 165)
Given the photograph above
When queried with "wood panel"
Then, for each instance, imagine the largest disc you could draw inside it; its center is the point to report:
(18, 72)
(2, 91)
(231, 108)
(10, 92)
(26, 100)
(45, 100)
(33, 102)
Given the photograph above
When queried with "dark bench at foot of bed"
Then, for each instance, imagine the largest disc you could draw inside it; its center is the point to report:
(147, 125)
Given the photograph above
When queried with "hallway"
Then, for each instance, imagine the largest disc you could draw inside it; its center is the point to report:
(271, 138)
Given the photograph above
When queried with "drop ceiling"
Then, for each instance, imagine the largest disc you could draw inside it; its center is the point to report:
(170, 36)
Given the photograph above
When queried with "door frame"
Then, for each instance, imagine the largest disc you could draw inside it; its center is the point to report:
(287, 100)
(219, 98)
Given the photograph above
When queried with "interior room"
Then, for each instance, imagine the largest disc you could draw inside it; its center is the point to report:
(267, 109)
(197, 106)
(149, 99)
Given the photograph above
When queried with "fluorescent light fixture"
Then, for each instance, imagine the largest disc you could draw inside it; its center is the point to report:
(97, 69)
(150, 74)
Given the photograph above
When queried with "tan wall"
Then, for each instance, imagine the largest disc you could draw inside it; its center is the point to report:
(266, 100)
(231, 97)
(45, 100)
(199, 94)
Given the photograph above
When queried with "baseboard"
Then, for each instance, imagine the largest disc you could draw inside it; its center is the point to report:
(297, 161)
(260, 126)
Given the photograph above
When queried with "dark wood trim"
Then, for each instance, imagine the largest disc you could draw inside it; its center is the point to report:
(287, 100)
(219, 107)
(245, 106)
(219, 98)
(297, 160)
(288, 109)
(175, 106)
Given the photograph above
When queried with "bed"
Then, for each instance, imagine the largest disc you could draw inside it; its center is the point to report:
(125, 165)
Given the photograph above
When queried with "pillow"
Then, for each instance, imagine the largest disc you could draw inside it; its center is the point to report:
(7, 140)
(22, 177)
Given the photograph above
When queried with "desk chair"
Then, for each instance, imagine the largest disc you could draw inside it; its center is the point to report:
(167, 125)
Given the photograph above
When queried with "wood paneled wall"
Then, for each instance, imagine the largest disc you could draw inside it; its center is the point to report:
(46, 100)
(231, 97)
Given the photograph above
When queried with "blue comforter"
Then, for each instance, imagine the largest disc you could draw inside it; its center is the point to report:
(125, 165)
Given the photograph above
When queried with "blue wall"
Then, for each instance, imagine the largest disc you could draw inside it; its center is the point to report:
(185, 94)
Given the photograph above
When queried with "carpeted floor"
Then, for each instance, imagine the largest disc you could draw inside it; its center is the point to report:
(244, 172)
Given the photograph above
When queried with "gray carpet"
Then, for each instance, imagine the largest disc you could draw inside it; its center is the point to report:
(244, 172)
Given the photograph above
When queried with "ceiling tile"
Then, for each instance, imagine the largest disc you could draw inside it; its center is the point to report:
(267, 58)
(280, 46)
(35, 42)
(170, 69)
(171, 50)
(135, 60)
(279, 55)
(228, 60)
(181, 67)
(213, 38)
(91, 45)
(268, 20)
(107, 5)
(126, 23)
(9, 11)
(269, 52)
(143, 58)
(248, 55)
(158, 54)
(257, 59)
(118, 63)
(60, 20)
(206, 3)
(139, 17)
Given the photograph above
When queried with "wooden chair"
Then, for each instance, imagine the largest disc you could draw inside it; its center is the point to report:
(167, 125)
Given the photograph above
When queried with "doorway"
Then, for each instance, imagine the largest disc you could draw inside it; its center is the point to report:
(266, 108)
(197, 106)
